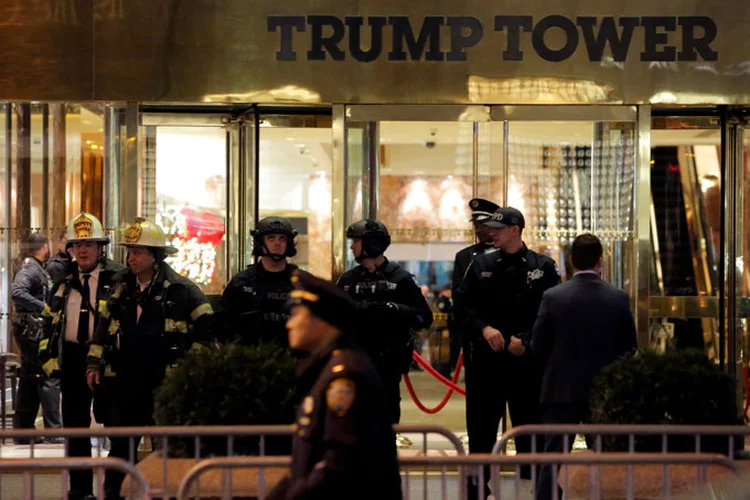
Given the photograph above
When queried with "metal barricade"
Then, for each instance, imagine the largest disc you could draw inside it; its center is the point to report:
(665, 431)
(462, 462)
(99, 464)
(197, 433)
(161, 434)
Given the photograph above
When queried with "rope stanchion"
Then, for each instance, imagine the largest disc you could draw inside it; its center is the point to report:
(448, 394)
(429, 369)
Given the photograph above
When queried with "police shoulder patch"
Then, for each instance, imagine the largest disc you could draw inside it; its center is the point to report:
(557, 269)
(340, 395)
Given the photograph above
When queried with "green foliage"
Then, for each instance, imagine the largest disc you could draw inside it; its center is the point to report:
(680, 387)
(234, 385)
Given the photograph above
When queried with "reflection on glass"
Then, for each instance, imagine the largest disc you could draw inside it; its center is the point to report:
(574, 177)
(686, 218)
(190, 186)
(295, 182)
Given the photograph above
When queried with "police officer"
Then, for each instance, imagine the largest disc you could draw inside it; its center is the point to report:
(391, 305)
(344, 446)
(501, 293)
(481, 211)
(153, 316)
(57, 265)
(29, 291)
(75, 307)
(257, 296)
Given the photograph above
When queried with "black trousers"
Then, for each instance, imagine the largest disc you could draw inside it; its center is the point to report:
(76, 407)
(492, 381)
(558, 413)
(35, 388)
(390, 376)
(132, 406)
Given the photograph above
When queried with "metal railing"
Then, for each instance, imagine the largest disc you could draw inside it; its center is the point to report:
(472, 462)
(199, 435)
(665, 431)
(27, 466)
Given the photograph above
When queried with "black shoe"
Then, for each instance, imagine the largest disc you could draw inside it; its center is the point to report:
(55, 440)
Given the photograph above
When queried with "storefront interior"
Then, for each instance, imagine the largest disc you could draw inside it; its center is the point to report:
(664, 188)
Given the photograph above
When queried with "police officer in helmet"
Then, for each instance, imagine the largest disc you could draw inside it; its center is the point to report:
(391, 306)
(501, 293)
(254, 301)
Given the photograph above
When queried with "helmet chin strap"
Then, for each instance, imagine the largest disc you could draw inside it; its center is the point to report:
(273, 256)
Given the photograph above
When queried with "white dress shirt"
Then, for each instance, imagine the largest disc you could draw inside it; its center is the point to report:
(73, 309)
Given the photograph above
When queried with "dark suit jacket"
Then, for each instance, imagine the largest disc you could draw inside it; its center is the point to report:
(583, 325)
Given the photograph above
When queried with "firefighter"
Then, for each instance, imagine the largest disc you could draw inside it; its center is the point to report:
(254, 301)
(391, 305)
(153, 316)
(75, 307)
(501, 293)
(29, 291)
(344, 445)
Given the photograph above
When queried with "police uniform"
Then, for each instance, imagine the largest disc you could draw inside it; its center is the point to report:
(254, 303)
(65, 346)
(256, 300)
(391, 305)
(481, 210)
(57, 266)
(503, 291)
(29, 291)
(142, 331)
(344, 446)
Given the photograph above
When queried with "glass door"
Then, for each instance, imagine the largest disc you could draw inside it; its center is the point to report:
(195, 182)
(569, 169)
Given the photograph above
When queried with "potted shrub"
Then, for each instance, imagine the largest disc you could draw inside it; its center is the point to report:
(233, 385)
(681, 387)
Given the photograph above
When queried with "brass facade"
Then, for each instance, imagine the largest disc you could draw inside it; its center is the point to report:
(477, 52)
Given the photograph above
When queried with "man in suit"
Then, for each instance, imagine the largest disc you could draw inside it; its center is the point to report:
(583, 325)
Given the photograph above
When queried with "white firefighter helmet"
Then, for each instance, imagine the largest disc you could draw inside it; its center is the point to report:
(86, 227)
(144, 233)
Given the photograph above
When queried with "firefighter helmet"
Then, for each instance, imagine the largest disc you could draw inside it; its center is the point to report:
(144, 233)
(86, 227)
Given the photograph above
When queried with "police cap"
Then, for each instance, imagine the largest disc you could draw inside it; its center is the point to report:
(324, 299)
(482, 209)
(506, 217)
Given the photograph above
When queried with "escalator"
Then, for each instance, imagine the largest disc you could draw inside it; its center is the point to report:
(683, 262)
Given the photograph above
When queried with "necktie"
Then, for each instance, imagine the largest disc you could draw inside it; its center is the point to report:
(83, 319)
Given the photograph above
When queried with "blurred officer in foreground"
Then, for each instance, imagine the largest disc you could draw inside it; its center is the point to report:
(391, 306)
(29, 291)
(74, 312)
(254, 302)
(57, 265)
(583, 325)
(152, 318)
(344, 446)
(501, 294)
(481, 211)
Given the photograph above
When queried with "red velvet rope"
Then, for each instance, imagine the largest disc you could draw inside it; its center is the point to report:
(452, 387)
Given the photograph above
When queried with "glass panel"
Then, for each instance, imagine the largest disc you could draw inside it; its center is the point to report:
(184, 175)
(573, 177)
(295, 182)
(685, 227)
